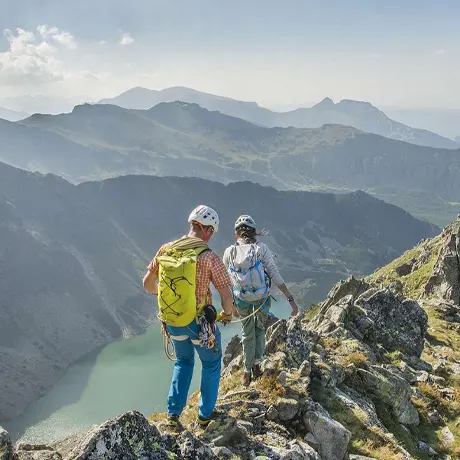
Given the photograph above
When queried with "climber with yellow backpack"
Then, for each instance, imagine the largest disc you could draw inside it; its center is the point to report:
(180, 275)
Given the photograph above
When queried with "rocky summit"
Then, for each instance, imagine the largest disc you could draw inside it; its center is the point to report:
(371, 372)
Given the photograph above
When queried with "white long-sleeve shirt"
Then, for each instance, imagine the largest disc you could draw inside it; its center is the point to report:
(265, 255)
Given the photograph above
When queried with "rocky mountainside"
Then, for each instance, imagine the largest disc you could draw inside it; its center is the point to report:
(181, 139)
(71, 258)
(360, 115)
(370, 373)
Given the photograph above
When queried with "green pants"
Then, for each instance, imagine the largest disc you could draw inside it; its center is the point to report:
(253, 331)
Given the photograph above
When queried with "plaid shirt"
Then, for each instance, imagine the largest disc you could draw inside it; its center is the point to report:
(209, 269)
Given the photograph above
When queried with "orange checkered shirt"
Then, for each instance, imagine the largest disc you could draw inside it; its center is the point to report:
(209, 269)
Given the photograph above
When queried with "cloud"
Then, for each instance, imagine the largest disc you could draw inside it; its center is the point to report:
(440, 51)
(126, 39)
(28, 60)
(55, 35)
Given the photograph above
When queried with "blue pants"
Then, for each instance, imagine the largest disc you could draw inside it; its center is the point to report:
(211, 363)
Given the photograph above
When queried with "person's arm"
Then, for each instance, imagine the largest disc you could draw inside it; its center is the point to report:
(295, 309)
(221, 281)
(150, 278)
(274, 274)
(150, 282)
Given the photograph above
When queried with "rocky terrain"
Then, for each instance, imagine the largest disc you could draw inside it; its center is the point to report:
(371, 372)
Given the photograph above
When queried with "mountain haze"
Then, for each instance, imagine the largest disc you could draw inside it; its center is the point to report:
(72, 257)
(12, 115)
(360, 115)
(181, 139)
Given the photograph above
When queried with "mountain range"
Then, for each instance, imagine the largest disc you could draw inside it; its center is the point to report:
(72, 257)
(182, 139)
(445, 122)
(360, 115)
(12, 115)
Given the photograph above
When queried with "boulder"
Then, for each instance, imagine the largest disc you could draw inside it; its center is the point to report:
(445, 279)
(405, 268)
(233, 349)
(299, 341)
(382, 385)
(6, 447)
(332, 437)
(128, 436)
(36, 452)
(275, 336)
(398, 324)
(287, 408)
(351, 287)
(298, 450)
(224, 431)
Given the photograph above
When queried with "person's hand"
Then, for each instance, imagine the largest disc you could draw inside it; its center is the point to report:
(224, 318)
(235, 312)
(295, 308)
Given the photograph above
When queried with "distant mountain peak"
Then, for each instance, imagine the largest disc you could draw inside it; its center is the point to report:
(326, 102)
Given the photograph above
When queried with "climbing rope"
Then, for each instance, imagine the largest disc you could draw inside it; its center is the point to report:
(168, 345)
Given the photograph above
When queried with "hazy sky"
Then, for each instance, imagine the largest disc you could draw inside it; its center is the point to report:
(278, 53)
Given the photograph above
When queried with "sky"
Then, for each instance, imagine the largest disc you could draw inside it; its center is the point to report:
(281, 54)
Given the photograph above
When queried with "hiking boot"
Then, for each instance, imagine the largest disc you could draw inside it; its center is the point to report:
(173, 422)
(246, 379)
(256, 371)
(205, 421)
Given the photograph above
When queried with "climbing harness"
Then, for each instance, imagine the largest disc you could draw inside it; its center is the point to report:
(206, 337)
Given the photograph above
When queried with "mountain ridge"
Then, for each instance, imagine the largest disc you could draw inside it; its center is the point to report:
(348, 112)
(183, 139)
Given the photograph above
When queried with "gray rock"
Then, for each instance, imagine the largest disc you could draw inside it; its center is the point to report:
(281, 378)
(189, 446)
(305, 369)
(287, 408)
(333, 437)
(311, 441)
(37, 453)
(405, 268)
(447, 438)
(435, 418)
(129, 436)
(426, 449)
(272, 413)
(275, 336)
(222, 453)
(445, 280)
(299, 341)
(233, 349)
(6, 447)
(382, 385)
(225, 431)
(399, 324)
(360, 457)
(352, 286)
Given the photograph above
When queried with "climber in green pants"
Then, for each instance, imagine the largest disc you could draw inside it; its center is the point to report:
(252, 270)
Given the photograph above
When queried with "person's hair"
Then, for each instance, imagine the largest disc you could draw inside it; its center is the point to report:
(248, 234)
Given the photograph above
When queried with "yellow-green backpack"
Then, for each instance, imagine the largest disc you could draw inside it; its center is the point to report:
(177, 282)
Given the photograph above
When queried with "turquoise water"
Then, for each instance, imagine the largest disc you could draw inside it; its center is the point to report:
(124, 375)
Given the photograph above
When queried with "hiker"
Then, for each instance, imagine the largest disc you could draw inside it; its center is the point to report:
(252, 270)
(180, 275)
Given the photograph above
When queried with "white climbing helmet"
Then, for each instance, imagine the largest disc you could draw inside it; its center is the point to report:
(245, 220)
(206, 216)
